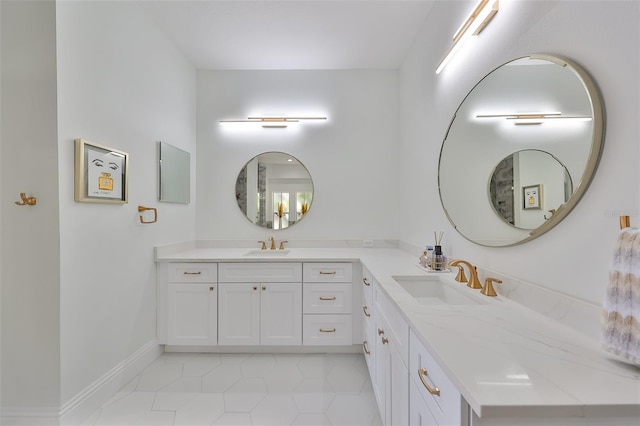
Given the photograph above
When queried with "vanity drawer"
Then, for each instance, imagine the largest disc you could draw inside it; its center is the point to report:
(276, 272)
(447, 407)
(326, 298)
(326, 330)
(192, 272)
(328, 272)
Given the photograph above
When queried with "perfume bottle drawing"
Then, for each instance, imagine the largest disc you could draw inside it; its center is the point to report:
(105, 182)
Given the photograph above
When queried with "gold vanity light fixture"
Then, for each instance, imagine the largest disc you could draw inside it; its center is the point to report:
(273, 122)
(479, 18)
(529, 118)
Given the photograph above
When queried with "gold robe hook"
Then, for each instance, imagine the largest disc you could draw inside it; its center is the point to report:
(26, 201)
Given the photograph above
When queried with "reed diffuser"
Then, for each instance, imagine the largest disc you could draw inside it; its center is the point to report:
(439, 261)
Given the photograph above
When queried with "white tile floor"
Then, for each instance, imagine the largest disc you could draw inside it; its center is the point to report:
(246, 389)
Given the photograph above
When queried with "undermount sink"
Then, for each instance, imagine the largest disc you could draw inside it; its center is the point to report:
(259, 252)
(434, 292)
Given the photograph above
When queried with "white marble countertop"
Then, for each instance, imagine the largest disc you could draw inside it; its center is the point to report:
(506, 360)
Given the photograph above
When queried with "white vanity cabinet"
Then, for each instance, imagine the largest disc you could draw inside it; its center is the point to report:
(260, 303)
(327, 303)
(190, 297)
(434, 398)
(368, 322)
(391, 359)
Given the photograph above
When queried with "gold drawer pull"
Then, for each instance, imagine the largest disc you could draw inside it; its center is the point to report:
(327, 298)
(211, 288)
(367, 283)
(366, 311)
(422, 373)
(366, 349)
(192, 273)
(380, 332)
(327, 330)
(327, 273)
(385, 340)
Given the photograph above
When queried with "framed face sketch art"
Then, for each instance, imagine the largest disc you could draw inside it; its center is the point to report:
(101, 173)
(532, 197)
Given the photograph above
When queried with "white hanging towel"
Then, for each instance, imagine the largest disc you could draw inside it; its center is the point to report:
(621, 308)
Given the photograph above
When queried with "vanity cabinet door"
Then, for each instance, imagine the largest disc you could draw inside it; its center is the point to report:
(281, 314)
(192, 314)
(439, 393)
(419, 413)
(239, 314)
(260, 314)
(392, 377)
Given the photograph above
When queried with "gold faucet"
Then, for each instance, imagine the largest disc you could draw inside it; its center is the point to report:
(473, 282)
(488, 289)
(273, 243)
(461, 277)
(282, 244)
(263, 246)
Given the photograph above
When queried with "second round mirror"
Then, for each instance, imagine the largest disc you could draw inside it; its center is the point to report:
(274, 190)
(534, 171)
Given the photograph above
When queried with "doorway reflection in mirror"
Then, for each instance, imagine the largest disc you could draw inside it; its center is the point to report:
(282, 188)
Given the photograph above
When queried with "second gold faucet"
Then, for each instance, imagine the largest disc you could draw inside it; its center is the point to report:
(273, 244)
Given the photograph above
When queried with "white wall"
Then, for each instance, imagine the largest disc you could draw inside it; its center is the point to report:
(30, 241)
(603, 37)
(352, 158)
(121, 84)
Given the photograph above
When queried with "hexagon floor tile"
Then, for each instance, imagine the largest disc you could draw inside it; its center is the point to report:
(245, 389)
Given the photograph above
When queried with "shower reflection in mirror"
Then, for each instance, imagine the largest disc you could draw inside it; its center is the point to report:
(523, 171)
(274, 190)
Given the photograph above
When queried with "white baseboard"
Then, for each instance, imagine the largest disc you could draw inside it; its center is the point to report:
(78, 408)
(26, 416)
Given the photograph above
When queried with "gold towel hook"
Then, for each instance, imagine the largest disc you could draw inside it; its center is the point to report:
(144, 209)
(625, 222)
(26, 201)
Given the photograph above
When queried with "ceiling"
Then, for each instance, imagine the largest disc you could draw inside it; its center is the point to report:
(291, 34)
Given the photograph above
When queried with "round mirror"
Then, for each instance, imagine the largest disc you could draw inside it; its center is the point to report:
(521, 150)
(534, 171)
(274, 190)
